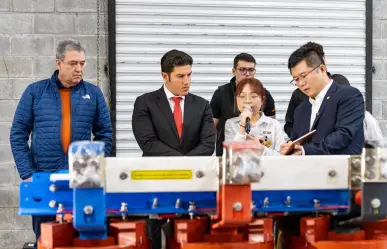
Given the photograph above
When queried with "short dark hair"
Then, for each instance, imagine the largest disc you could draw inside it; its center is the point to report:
(243, 57)
(340, 79)
(175, 58)
(316, 47)
(309, 54)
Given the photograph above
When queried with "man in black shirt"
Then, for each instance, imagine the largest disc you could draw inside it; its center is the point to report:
(297, 98)
(223, 101)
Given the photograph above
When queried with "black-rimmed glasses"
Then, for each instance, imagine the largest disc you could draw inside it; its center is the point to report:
(302, 76)
(244, 70)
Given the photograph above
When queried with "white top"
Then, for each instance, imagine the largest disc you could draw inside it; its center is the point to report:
(372, 131)
(172, 103)
(266, 128)
(316, 103)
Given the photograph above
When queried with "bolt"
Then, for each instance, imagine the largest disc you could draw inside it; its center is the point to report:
(237, 206)
(266, 202)
(370, 159)
(52, 204)
(94, 163)
(332, 173)
(88, 209)
(123, 175)
(60, 208)
(370, 175)
(124, 210)
(60, 211)
(376, 203)
(178, 203)
(191, 206)
(52, 188)
(356, 180)
(288, 201)
(199, 174)
(124, 207)
(155, 203)
(356, 163)
(316, 203)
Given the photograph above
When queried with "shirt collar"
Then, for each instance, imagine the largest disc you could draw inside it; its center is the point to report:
(321, 95)
(262, 119)
(57, 81)
(169, 94)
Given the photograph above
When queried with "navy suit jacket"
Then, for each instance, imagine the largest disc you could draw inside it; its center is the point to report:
(338, 123)
(155, 130)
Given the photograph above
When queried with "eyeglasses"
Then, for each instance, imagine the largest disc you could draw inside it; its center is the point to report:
(244, 70)
(302, 76)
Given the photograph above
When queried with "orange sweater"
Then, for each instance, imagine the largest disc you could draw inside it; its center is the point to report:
(65, 96)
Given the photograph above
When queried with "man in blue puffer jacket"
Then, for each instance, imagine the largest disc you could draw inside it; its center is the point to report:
(56, 112)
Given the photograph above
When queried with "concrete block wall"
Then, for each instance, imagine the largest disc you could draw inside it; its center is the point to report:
(29, 33)
(379, 88)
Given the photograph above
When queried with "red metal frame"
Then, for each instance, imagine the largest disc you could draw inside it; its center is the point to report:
(232, 228)
(314, 234)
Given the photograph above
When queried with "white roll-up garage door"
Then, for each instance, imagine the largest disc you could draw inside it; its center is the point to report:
(213, 32)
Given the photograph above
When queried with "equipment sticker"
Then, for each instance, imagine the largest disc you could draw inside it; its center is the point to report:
(161, 174)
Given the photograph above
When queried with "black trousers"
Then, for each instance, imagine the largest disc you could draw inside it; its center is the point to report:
(154, 230)
(37, 221)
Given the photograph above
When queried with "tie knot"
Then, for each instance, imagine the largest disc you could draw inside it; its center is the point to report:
(176, 99)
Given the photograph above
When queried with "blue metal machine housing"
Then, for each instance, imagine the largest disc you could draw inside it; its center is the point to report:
(35, 197)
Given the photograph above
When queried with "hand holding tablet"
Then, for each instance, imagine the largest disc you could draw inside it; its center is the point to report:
(299, 140)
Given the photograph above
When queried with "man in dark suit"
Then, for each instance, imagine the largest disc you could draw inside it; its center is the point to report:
(298, 96)
(171, 121)
(335, 112)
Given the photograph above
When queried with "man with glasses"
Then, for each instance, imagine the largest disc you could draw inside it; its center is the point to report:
(223, 101)
(55, 112)
(335, 112)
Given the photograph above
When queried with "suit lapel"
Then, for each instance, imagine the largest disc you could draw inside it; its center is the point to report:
(326, 100)
(165, 109)
(188, 115)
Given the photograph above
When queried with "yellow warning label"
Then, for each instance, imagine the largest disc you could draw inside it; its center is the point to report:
(161, 174)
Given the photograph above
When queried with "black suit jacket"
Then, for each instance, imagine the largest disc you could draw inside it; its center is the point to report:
(297, 98)
(155, 130)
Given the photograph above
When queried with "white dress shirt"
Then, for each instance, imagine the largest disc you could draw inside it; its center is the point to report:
(316, 103)
(372, 131)
(266, 128)
(172, 103)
